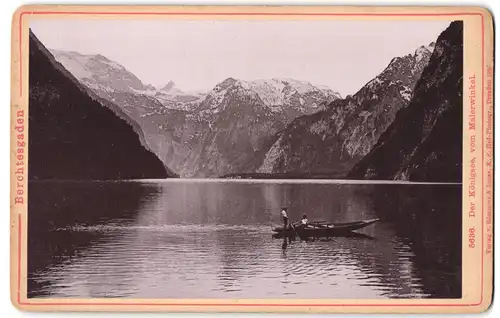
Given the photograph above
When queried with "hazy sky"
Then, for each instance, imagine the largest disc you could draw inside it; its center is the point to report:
(343, 55)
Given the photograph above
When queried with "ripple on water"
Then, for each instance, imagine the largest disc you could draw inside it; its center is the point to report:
(217, 242)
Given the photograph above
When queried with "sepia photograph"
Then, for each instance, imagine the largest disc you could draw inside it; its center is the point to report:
(247, 158)
(132, 101)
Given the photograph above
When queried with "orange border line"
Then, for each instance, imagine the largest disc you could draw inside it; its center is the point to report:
(19, 259)
(482, 158)
(256, 304)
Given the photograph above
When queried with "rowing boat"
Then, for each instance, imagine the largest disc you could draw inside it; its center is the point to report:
(321, 229)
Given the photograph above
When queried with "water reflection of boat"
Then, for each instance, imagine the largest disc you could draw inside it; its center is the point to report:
(322, 229)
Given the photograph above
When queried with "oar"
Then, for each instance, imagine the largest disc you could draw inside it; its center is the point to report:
(293, 227)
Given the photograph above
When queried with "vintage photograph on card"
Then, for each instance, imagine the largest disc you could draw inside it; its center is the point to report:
(329, 159)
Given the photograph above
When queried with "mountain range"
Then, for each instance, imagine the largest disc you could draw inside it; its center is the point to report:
(106, 76)
(290, 127)
(202, 134)
(332, 141)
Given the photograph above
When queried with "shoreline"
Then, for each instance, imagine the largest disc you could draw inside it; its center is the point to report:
(269, 181)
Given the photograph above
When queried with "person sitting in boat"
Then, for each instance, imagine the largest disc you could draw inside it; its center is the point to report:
(304, 220)
(284, 216)
(302, 223)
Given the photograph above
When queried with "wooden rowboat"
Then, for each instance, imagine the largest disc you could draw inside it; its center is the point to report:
(321, 229)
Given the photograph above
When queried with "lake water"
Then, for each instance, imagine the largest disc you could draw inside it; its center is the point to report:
(182, 239)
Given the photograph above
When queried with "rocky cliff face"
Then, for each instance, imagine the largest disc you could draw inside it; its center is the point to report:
(74, 134)
(333, 140)
(237, 136)
(424, 143)
(245, 116)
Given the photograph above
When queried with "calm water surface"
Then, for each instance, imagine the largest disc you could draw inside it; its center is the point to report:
(180, 239)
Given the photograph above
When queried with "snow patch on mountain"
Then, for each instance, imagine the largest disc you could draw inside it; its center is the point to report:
(424, 51)
(110, 63)
(92, 84)
(269, 91)
(300, 86)
(74, 62)
(277, 94)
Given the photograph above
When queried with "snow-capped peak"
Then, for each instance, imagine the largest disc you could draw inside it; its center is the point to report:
(150, 87)
(100, 69)
(276, 93)
(168, 87)
(302, 87)
(424, 50)
(105, 60)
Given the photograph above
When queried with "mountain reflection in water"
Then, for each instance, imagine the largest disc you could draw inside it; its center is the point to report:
(186, 239)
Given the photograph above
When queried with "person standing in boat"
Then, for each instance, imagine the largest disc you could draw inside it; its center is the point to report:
(284, 216)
